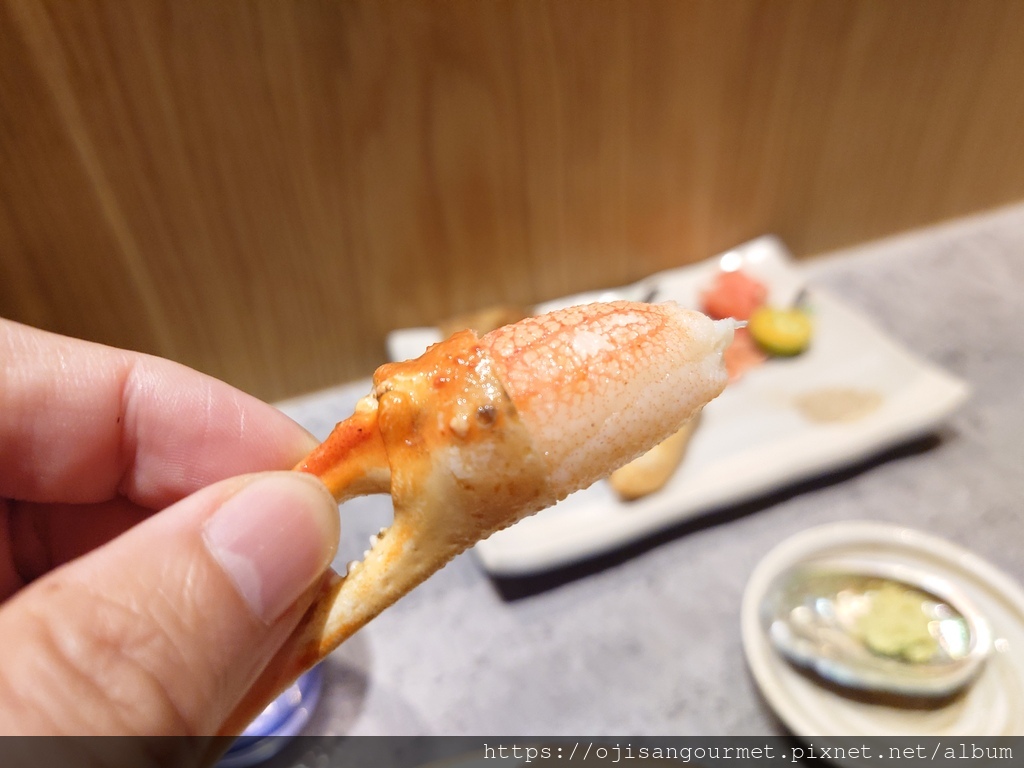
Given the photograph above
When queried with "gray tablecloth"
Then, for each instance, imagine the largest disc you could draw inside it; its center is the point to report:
(646, 641)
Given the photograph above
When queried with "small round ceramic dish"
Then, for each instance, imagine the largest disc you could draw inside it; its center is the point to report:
(992, 705)
(282, 720)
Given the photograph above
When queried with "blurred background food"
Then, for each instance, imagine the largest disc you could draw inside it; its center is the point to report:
(649, 473)
(263, 189)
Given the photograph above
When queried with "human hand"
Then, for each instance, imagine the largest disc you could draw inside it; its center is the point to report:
(145, 581)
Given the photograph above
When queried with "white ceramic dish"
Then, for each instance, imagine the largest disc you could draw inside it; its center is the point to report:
(993, 705)
(753, 438)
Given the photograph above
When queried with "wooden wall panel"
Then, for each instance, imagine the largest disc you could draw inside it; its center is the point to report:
(263, 189)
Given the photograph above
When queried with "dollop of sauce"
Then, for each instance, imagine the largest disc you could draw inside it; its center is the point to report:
(895, 623)
(838, 404)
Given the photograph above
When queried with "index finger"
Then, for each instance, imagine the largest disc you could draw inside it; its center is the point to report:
(81, 422)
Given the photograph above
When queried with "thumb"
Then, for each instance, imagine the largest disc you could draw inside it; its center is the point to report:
(163, 629)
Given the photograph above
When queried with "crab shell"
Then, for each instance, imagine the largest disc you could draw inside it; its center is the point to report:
(478, 433)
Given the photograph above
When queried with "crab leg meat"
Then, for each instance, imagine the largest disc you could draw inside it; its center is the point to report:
(478, 433)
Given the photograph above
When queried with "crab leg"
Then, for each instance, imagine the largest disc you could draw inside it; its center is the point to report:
(480, 432)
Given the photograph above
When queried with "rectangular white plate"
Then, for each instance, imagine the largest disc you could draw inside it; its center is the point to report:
(752, 438)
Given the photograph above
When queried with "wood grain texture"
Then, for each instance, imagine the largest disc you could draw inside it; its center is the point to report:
(263, 189)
